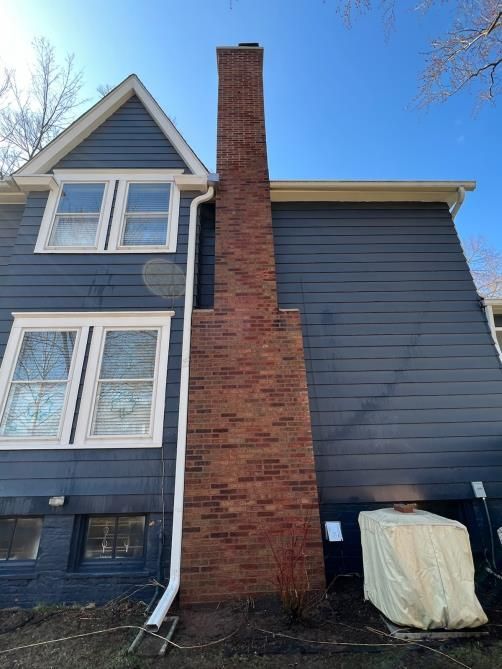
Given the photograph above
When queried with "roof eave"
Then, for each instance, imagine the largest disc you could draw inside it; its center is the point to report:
(368, 191)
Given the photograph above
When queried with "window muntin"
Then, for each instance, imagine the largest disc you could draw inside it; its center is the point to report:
(78, 215)
(123, 404)
(114, 538)
(39, 383)
(19, 538)
(146, 215)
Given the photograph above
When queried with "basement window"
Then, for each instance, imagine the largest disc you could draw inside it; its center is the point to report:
(19, 539)
(114, 538)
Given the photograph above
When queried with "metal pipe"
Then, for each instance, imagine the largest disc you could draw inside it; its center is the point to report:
(156, 619)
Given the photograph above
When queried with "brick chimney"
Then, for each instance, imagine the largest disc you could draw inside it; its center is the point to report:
(250, 475)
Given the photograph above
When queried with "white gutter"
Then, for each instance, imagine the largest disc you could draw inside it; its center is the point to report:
(157, 618)
(369, 191)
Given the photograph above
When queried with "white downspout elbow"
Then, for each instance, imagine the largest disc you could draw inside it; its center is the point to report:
(458, 203)
(157, 618)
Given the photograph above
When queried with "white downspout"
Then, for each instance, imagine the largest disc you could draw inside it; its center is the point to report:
(458, 203)
(157, 618)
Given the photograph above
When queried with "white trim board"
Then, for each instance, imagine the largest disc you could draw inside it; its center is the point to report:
(100, 112)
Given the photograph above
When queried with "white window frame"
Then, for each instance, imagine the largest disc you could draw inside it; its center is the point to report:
(56, 323)
(81, 322)
(494, 328)
(49, 217)
(118, 220)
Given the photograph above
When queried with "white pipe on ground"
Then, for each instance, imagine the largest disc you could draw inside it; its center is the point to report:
(157, 618)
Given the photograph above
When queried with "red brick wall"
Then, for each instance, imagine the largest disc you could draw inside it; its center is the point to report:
(250, 468)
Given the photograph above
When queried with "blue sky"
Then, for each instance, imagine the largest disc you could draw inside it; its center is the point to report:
(337, 100)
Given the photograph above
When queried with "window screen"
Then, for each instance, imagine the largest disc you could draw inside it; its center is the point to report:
(19, 538)
(38, 386)
(124, 393)
(146, 214)
(114, 537)
(77, 215)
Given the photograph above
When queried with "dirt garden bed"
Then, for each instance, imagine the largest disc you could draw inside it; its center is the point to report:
(342, 631)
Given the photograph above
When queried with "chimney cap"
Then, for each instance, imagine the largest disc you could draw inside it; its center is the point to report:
(249, 45)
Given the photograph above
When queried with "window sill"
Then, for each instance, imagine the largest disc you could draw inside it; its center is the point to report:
(86, 251)
(107, 573)
(16, 446)
(22, 571)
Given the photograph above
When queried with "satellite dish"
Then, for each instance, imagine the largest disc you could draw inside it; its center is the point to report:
(164, 278)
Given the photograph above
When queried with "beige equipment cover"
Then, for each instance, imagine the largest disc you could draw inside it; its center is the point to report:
(418, 569)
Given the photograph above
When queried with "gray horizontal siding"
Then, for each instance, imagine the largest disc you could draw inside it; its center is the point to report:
(88, 282)
(10, 218)
(404, 382)
(129, 138)
(205, 259)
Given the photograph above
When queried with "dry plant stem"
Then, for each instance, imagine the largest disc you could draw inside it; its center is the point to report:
(289, 552)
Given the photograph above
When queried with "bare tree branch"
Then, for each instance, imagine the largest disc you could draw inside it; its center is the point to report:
(486, 266)
(104, 89)
(31, 118)
(469, 55)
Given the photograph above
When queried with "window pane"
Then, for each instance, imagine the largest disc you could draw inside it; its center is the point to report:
(74, 231)
(123, 408)
(129, 354)
(81, 198)
(33, 410)
(148, 198)
(130, 534)
(110, 537)
(498, 320)
(45, 356)
(26, 539)
(100, 538)
(6, 530)
(140, 231)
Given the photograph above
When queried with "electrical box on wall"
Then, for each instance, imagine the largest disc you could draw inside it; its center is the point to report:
(333, 530)
(478, 489)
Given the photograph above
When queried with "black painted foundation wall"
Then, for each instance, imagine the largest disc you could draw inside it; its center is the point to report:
(55, 578)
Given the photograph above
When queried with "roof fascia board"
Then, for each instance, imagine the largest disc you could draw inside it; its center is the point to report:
(34, 182)
(495, 302)
(12, 198)
(94, 117)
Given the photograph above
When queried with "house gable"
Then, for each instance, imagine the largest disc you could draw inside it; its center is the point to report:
(128, 114)
(128, 138)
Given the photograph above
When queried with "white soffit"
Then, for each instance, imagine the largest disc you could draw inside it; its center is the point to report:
(96, 115)
(368, 191)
